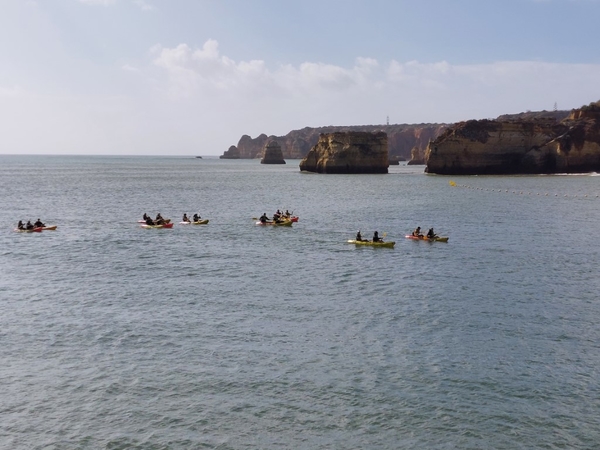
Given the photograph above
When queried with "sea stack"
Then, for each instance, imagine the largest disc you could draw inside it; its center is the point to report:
(272, 154)
(348, 152)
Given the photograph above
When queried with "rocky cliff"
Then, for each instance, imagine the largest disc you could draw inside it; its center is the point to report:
(296, 144)
(272, 154)
(231, 153)
(348, 152)
(538, 145)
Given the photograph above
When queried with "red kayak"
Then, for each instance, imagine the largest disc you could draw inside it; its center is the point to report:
(33, 230)
(164, 225)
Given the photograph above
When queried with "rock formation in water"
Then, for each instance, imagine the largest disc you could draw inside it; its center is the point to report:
(348, 152)
(272, 154)
(540, 145)
(231, 153)
(296, 144)
(417, 157)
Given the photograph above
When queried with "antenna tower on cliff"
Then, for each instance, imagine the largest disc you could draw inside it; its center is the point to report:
(555, 107)
(388, 120)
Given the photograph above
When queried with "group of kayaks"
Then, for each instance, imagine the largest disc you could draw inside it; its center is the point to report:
(280, 219)
(36, 227)
(390, 244)
(160, 222)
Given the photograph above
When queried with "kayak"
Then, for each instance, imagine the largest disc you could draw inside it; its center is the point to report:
(199, 222)
(285, 223)
(166, 225)
(294, 218)
(51, 227)
(33, 230)
(389, 244)
(143, 221)
(425, 238)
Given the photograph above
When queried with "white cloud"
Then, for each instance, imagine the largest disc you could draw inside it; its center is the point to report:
(414, 91)
(144, 6)
(10, 91)
(98, 2)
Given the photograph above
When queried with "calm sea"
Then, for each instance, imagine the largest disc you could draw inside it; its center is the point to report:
(235, 336)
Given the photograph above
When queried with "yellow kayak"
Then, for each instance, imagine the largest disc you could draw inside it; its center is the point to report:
(198, 222)
(283, 223)
(389, 244)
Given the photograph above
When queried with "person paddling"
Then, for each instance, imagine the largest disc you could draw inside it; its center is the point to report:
(376, 237)
(185, 218)
(196, 217)
(264, 218)
(38, 223)
(29, 225)
(358, 236)
(20, 225)
(431, 234)
(417, 232)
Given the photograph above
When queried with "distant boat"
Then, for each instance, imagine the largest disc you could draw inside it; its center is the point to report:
(199, 157)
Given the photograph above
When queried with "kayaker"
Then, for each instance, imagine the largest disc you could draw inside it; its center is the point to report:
(145, 216)
(185, 218)
(264, 218)
(29, 225)
(417, 232)
(376, 237)
(38, 223)
(196, 217)
(149, 221)
(287, 213)
(20, 225)
(431, 234)
(358, 236)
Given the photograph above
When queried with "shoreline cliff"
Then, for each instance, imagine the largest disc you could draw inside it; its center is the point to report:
(538, 145)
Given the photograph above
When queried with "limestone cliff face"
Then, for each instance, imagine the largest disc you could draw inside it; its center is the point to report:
(519, 146)
(349, 152)
(231, 153)
(297, 143)
(272, 154)
(252, 148)
(417, 157)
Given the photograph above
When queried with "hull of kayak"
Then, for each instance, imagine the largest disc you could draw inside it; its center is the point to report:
(166, 225)
(143, 221)
(34, 230)
(286, 223)
(425, 238)
(199, 222)
(389, 244)
(51, 227)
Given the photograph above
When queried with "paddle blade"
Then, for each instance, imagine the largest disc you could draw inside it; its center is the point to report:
(452, 183)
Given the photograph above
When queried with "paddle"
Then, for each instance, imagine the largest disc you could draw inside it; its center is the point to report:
(452, 183)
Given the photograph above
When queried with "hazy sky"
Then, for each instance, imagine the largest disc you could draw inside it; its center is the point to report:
(190, 77)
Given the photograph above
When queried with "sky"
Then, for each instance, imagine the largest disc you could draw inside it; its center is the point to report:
(190, 77)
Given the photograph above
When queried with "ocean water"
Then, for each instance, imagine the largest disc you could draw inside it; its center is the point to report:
(236, 336)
